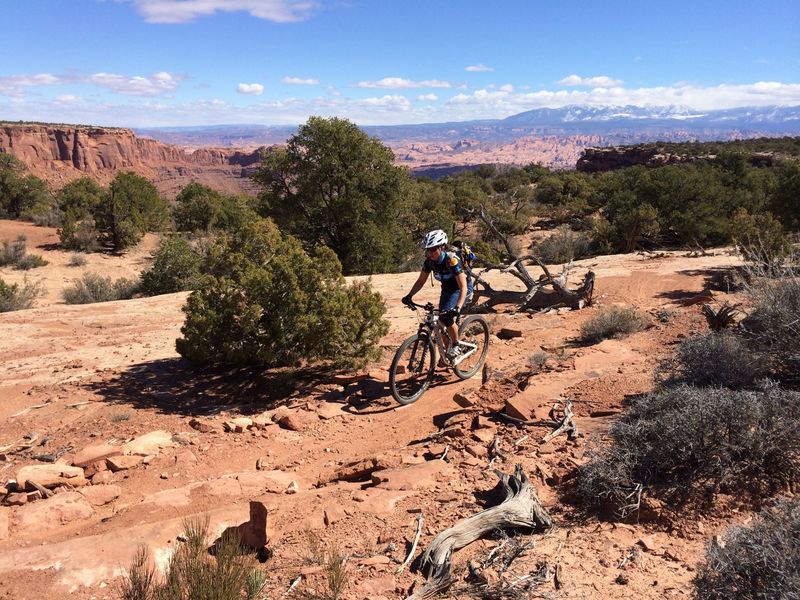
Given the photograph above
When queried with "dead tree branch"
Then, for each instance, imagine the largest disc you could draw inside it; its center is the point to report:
(520, 509)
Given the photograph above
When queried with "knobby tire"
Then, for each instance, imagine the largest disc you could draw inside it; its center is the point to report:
(405, 388)
(473, 329)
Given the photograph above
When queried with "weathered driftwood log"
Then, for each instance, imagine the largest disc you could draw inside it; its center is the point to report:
(520, 509)
(545, 292)
(536, 295)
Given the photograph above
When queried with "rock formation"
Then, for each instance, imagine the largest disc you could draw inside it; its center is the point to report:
(59, 154)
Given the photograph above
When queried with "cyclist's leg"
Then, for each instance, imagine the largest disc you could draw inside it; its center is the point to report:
(448, 300)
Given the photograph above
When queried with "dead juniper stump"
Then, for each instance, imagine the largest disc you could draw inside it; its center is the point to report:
(520, 509)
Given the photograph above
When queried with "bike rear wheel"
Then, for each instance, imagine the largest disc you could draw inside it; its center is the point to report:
(412, 369)
(473, 335)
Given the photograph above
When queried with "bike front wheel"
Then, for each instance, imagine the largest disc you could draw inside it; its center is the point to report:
(473, 335)
(412, 369)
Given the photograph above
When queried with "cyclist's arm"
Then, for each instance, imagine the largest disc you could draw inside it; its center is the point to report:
(423, 277)
(461, 279)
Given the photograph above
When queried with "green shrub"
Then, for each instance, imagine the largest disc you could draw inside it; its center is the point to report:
(15, 254)
(78, 233)
(774, 323)
(176, 268)
(759, 237)
(761, 560)
(14, 297)
(689, 442)
(267, 302)
(563, 246)
(192, 573)
(718, 358)
(613, 322)
(93, 288)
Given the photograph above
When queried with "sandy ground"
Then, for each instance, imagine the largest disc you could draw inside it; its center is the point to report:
(349, 464)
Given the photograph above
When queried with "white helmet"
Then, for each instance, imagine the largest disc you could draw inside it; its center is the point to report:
(434, 239)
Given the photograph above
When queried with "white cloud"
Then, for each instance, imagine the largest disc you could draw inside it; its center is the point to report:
(381, 110)
(479, 68)
(155, 85)
(13, 85)
(251, 89)
(395, 102)
(428, 97)
(299, 81)
(507, 88)
(67, 98)
(599, 81)
(182, 11)
(400, 83)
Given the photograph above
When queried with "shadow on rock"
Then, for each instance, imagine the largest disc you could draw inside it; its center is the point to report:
(175, 386)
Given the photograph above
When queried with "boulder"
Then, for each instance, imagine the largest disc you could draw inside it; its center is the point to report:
(122, 463)
(149, 443)
(99, 495)
(333, 513)
(253, 533)
(506, 333)
(205, 426)
(238, 425)
(95, 453)
(58, 510)
(50, 476)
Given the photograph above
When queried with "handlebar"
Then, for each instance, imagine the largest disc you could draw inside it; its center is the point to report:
(427, 307)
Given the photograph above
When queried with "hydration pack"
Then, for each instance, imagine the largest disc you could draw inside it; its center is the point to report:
(465, 253)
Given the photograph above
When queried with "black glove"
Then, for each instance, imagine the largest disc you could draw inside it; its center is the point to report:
(406, 300)
(453, 312)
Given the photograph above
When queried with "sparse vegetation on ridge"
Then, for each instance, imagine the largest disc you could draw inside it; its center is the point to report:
(687, 442)
(16, 297)
(612, 322)
(761, 560)
(92, 287)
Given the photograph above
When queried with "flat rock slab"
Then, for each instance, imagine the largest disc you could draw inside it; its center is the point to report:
(149, 443)
(414, 477)
(259, 482)
(99, 495)
(95, 453)
(53, 512)
(4, 520)
(378, 501)
(329, 410)
(51, 476)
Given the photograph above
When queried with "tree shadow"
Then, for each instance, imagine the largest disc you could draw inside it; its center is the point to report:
(175, 386)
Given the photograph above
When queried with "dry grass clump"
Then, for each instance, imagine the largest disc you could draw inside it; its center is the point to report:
(334, 565)
(613, 322)
(77, 260)
(715, 359)
(192, 573)
(16, 297)
(775, 319)
(690, 443)
(95, 288)
(759, 561)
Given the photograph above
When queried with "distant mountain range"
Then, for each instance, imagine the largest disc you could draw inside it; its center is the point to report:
(619, 123)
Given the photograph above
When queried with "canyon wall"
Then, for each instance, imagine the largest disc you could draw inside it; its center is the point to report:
(59, 154)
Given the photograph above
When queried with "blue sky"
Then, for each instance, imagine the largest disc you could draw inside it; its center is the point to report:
(143, 63)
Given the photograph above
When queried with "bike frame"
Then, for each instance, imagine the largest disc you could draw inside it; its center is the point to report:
(431, 325)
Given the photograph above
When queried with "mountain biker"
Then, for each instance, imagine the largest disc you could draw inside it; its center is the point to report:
(456, 284)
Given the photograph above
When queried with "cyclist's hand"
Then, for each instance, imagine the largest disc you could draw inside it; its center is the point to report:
(453, 312)
(406, 300)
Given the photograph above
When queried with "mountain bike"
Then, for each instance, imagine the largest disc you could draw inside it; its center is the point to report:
(415, 361)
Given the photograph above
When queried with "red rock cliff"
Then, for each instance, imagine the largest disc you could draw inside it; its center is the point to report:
(59, 154)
